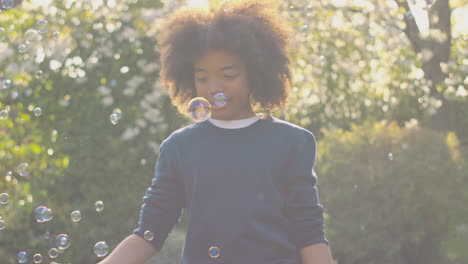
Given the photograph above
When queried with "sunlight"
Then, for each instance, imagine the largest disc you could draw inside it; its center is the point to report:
(198, 3)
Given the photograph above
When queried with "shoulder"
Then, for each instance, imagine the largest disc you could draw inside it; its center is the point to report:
(184, 134)
(292, 131)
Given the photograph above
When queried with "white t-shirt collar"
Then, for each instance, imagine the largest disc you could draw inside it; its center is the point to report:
(233, 124)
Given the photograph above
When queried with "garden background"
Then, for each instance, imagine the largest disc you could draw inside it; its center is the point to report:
(382, 85)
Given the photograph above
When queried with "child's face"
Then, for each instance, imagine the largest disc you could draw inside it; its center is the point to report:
(223, 72)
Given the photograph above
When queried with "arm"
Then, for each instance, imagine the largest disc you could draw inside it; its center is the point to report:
(132, 250)
(303, 209)
(316, 254)
(161, 210)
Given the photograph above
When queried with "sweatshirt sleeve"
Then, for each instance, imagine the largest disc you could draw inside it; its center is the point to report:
(303, 209)
(164, 199)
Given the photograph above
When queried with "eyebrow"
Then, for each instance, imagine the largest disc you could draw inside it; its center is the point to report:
(228, 67)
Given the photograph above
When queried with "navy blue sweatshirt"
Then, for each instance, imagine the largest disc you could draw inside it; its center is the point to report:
(250, 193)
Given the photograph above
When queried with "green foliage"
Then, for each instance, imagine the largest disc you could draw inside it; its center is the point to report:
(103, 59)
(390, 194)
(352, 65)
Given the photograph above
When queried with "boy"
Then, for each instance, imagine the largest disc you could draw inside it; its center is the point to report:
(246, 182)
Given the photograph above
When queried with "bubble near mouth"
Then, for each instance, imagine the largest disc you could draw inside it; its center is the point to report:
(219, 100)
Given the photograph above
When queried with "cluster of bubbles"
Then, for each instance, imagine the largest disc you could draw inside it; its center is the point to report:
(62, 241)
(200, 108)
(31, 36)
(44, 214)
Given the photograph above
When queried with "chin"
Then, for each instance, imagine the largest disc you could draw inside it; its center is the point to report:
(221, 117)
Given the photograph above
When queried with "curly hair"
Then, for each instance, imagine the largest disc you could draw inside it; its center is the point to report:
(253, 30)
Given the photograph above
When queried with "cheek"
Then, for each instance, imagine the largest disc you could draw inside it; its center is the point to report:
(200, 90)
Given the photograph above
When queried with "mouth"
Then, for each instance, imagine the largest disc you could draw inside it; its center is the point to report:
(218, 107)
(215, 107)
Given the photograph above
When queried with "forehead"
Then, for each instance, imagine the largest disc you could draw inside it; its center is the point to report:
(218, 60)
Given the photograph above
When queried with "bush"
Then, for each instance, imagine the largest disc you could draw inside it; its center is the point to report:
(392, 195)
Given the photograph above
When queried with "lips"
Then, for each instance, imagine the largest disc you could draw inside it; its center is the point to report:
(214, 106)
(217, 107)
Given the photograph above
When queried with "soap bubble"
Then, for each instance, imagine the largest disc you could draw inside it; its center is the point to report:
(390, 156)
(115, 116)
(2, 33)
(42, 26)
(48, 214)
(39, 74)
(23, 169)
(199, 109)
(220, 99)
(22, 257)
(40, 213)
(99, 206)
(6, 84)
(43, 214)
(7, 4)
(409, 15)
(3, 198)
(37, 258)
(37, 111)
(2, 225)
(53, 253)
(32, 36)
(304, 29)
(22, 48)
(309, 10)
(424, 4)
(148, 235)
(101, 249)
(75, 216)
(3, 114)
(47, 235)
(63, 241)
